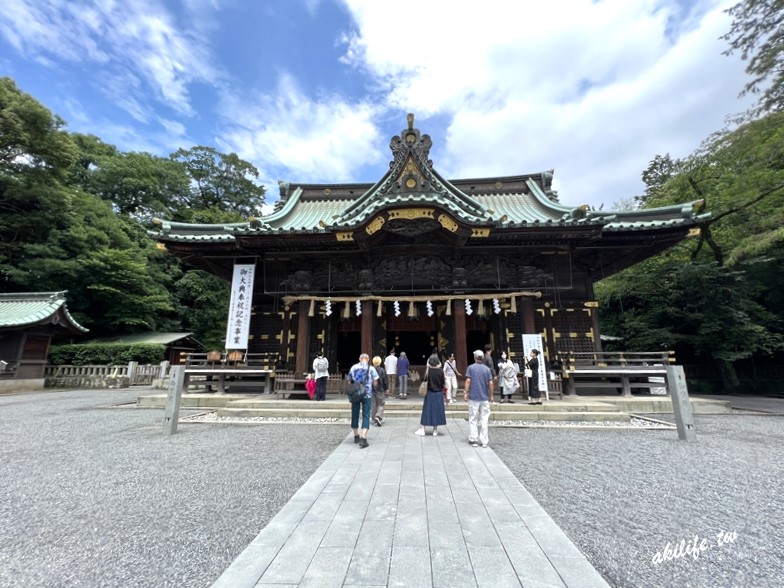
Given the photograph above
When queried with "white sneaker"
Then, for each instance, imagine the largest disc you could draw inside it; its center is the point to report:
(435, 433)
(485, 445)
(420, 432)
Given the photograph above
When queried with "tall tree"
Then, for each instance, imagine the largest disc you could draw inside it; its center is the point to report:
(715, 296)
(35, 157)
(219, 181)
(757, 32)
(140, 184)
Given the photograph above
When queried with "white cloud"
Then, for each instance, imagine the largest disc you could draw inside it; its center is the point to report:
(594, 89)
(135, 46)
(291, 136)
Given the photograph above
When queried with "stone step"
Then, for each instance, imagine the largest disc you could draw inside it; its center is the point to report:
(495, 414)
(416, 405)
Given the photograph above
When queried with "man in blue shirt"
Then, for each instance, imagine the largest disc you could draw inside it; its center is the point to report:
(479, 394)
(362, 372)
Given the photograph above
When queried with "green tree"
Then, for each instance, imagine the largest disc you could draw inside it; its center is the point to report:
(140, 184)
(35, 157)
(716, 296)
(757, 32)
(219, 181)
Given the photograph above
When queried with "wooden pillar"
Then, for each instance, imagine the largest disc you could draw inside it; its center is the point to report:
(366, 336)
(527, 308)
(303, 331)
(461, 353)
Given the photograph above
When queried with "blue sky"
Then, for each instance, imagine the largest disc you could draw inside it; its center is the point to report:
(313, 90)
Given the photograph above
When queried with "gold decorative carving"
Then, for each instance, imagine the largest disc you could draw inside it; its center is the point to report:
(347, 236)
(480, 233)
(499, 185)
(411, 213)
(693, 232)
(591, 304)
(161, 246)
(327, 191)
(448, 223)
(375, 225)
(411, 183)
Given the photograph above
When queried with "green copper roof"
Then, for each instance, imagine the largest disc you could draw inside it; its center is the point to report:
(411, 182)
(26, 309)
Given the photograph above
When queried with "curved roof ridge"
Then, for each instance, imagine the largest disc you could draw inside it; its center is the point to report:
(23, 309)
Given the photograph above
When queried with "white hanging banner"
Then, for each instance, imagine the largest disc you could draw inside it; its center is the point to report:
(239, 308)
(535, 342)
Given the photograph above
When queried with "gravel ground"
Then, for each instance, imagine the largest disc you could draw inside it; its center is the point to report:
(100, 497)
(622, 496)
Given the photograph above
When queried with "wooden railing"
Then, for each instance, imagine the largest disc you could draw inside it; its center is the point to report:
(615, 369)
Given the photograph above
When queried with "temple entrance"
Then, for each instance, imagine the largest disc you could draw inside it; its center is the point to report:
(348, 350)
(417, 344)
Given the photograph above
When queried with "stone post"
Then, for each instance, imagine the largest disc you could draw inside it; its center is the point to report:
(681, 406)
(172, 412)
(164, 369)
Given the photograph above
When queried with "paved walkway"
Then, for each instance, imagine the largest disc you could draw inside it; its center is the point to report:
(416, 512)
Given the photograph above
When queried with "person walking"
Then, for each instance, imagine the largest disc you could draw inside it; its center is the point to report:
(321, 373)
(507, 378)
(366, 373)
(488, 359)
(390, 366)
(451, 373)
(479, 394)
(403, 367)
(433, 413)
(380, 392)
(534, 394)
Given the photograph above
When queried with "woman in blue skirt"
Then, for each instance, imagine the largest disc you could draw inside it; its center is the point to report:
(433, 413)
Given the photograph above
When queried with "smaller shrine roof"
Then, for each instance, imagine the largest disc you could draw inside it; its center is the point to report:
(150, 338)
(27, 309)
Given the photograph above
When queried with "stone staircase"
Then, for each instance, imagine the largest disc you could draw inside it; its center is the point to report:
(578, 408)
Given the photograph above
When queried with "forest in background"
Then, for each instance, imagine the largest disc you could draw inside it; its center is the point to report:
(74, 212)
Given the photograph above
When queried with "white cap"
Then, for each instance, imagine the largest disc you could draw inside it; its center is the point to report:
(479, 353)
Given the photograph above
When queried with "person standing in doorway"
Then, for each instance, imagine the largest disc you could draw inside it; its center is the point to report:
(390, 366)
(366, 373)
(321, 371)
(479, 394)
(403, 367)
(534, 395)
(451, 373)
(380, 392)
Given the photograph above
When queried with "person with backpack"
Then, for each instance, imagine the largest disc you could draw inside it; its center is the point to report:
(321, 370)
(366, 374)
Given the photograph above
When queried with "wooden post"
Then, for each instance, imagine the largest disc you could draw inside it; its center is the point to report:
(303, 322)
(366, 322)
(461, 353)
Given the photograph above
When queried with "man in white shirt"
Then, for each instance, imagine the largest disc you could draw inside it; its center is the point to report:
(390, 365)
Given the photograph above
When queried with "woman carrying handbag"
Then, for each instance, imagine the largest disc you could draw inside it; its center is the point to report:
(433, 413)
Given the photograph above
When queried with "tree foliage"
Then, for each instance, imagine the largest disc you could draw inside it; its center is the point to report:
(715, 297)
(757, 33)
(219, 181)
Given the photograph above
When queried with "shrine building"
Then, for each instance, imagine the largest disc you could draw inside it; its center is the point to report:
(416, 262)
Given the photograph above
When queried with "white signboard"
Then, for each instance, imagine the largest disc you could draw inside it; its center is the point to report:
(535, 342)
(240, 306)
